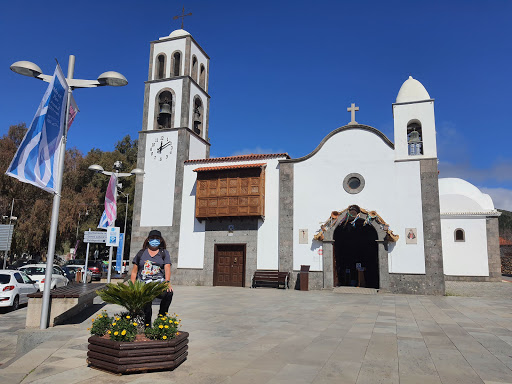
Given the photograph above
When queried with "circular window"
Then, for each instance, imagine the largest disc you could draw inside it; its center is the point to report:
(353, 183)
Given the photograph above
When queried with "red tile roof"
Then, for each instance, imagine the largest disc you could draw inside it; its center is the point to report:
(252, 156)
(505, 241)
(223, 167)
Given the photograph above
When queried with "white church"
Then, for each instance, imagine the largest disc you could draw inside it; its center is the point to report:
(383, 217)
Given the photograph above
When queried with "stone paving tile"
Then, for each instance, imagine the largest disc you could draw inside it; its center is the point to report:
(310, 337)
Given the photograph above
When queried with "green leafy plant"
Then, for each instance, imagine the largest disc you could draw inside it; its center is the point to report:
(101, 324)
(164, 328)
(123, 329)
(132, 296)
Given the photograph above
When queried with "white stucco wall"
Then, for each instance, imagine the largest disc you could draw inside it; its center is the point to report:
(424, 113)
(392, 189)
(168, 47)
(467, 258)
(176, 86)
(197, 149)
(157, 200)
(192, 232)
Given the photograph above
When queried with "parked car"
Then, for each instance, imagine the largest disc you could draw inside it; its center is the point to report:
(93, 266)
(37, 272)
(14, 288)
(75, 268)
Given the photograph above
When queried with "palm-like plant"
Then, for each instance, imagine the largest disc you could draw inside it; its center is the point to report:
(133, 297)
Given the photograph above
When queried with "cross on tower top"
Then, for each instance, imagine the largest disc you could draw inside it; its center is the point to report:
(182, 16)
(352, 111)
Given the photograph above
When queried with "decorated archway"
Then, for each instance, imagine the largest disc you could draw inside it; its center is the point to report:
(349, 226)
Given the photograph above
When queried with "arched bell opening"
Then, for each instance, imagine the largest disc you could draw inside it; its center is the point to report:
(198, 116)
(164, 109)
(414, 138)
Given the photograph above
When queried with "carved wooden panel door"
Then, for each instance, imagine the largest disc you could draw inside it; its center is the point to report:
(229, 265)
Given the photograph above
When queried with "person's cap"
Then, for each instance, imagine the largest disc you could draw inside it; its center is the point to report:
(155, 232)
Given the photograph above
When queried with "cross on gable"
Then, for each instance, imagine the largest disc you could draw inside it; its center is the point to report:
(352, 111)
(182, 16)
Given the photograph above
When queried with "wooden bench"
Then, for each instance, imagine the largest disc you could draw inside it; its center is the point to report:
(65, 302)
(271, 279)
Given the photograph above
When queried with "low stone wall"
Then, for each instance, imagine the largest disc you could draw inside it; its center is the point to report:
(506, 265)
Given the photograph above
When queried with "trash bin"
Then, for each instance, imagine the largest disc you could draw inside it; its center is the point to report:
(304, 277)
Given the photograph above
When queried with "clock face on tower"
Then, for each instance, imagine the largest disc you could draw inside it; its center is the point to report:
(160, 147)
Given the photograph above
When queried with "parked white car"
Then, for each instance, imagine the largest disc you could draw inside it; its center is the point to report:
(81, 268)
(37, 272)
(14, 288)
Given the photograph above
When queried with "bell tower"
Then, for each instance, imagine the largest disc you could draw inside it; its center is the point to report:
(415, 129)
(174, 129)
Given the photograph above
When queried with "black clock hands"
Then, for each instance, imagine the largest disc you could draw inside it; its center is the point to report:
(162, 146)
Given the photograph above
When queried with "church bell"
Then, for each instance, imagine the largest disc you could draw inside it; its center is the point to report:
(165, 109)
(414, 138)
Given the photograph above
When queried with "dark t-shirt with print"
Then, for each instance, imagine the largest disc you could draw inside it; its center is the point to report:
(152, 268)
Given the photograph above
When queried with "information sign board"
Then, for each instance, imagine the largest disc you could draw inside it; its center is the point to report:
(113, 236)
(97, 237)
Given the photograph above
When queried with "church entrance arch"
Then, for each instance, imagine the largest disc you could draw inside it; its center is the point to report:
(356, 255)
(352, 236)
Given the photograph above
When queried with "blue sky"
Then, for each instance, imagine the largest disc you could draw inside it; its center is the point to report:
(283, 72)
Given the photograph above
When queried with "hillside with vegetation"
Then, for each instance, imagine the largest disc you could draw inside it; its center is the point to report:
(505, 223)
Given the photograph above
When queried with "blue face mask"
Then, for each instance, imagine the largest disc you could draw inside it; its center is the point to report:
(154, 243)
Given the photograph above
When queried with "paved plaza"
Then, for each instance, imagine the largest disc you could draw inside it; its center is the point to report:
(241, 335)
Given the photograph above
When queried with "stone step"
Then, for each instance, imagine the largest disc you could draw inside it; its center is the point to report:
(359, 290)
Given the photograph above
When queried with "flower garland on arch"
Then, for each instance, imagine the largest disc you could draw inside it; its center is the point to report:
(344, 217)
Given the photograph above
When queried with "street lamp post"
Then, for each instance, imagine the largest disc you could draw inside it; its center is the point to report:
(124, 233)
(11, 217)
(30, 69)
(117, 166)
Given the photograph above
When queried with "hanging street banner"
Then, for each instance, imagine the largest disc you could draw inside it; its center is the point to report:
(37, 160)
(119, 254)
(6, 232)
(95, 237)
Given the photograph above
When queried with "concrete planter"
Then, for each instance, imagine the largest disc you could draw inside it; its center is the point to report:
(137, 356)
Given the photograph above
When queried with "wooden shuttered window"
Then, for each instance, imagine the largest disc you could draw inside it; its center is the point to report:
(238, 192)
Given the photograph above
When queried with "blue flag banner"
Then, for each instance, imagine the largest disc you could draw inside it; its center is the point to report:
(103, 221)
(119, 255)
(37, 160)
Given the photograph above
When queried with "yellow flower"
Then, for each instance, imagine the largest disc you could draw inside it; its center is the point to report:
(165, 337)
(117, 318)
(159, 315)
(116, 333)
(160, 326)
(135, 324)
(147, 325)
(109, 332)
(176, 322)
(170, 321)
(166, 326)
(127, 317)
(177, 333)
(114, 323)
(124, 332)
(92, 320)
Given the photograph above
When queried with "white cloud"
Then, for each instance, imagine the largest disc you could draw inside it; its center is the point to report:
(501, 197)
(256, 150)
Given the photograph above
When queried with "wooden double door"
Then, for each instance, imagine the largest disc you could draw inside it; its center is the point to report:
(229, 265)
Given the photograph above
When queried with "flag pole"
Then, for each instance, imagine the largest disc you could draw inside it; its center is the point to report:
(55, 209)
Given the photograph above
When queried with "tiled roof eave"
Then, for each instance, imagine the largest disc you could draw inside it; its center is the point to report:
(251, 157)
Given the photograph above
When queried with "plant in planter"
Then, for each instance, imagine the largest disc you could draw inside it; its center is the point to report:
(123, 344)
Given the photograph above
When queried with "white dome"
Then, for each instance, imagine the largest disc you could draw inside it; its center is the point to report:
(459, 196)
(412, 90)
(178, 33)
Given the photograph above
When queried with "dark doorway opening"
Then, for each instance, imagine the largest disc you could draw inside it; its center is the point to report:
(354, 245)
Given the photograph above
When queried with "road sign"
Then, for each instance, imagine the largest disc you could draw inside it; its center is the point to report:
(6, 232)
(98, 237)
(113, 236)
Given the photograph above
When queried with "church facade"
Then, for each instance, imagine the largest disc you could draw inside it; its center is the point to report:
(358, 210)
